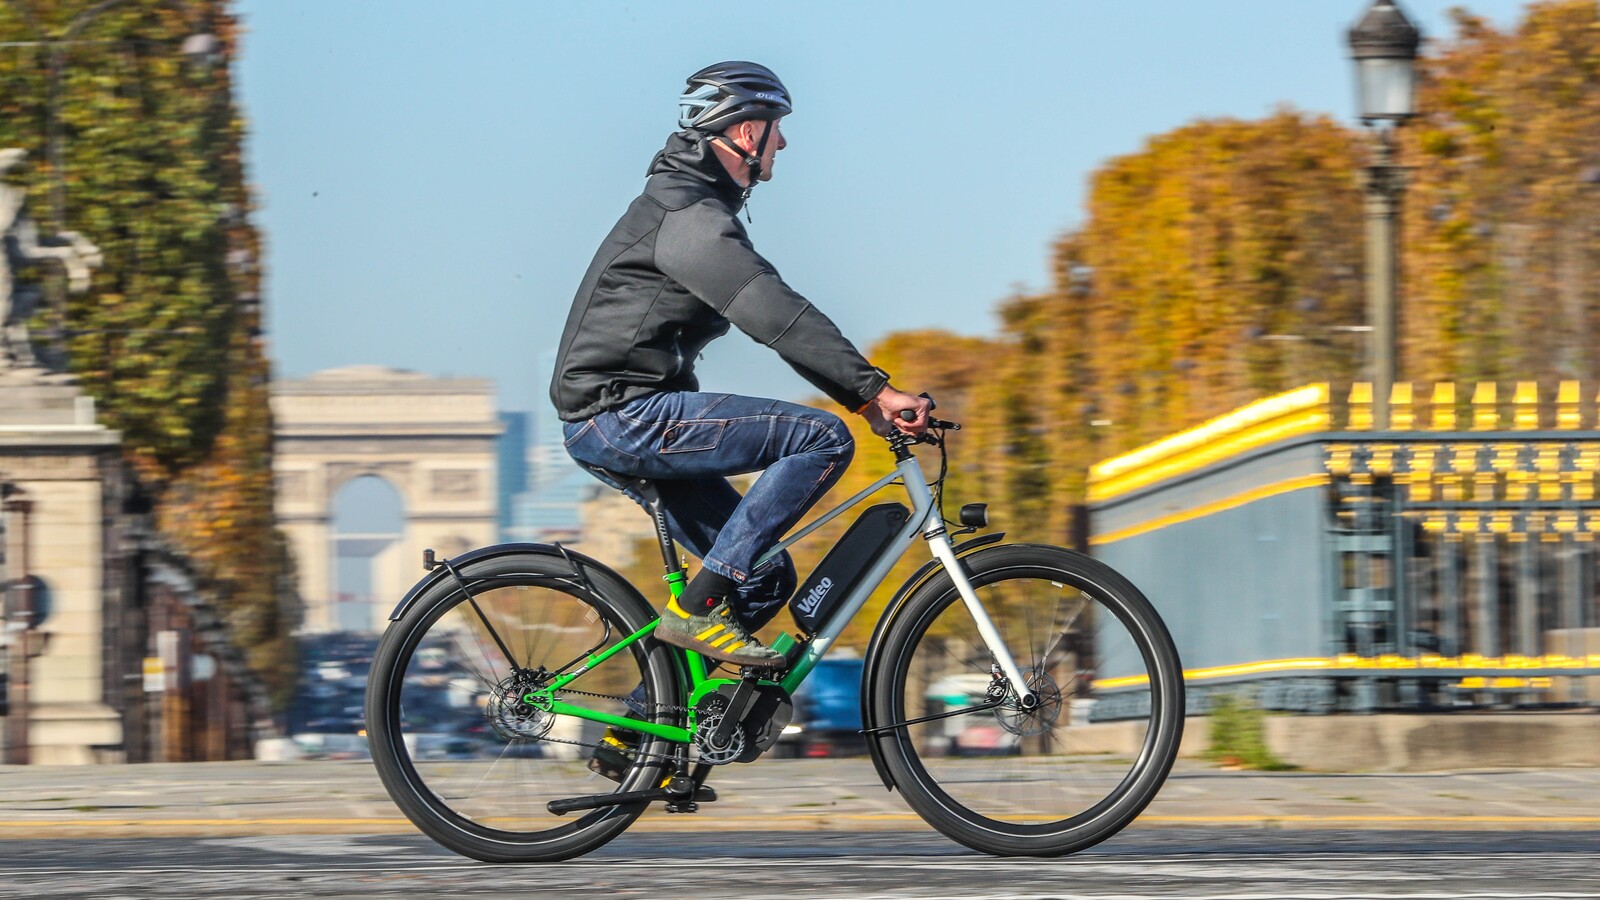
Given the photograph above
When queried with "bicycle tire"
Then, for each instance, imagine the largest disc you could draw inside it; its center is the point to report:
(1037, 810)
(466, 824)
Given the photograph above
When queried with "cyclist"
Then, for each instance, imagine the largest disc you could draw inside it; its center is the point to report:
(674, 272)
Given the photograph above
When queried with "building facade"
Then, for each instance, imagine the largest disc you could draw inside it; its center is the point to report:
(1308, 557)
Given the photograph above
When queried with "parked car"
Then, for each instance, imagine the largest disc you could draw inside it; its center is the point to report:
(827, 713)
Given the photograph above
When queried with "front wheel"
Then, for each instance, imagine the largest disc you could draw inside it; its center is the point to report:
(463, 757)
(1059, 777)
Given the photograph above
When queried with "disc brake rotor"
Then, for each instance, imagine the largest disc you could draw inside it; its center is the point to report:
(513, 719)
(1042, 717)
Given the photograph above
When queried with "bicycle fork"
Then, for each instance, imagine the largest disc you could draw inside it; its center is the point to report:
(939, 542)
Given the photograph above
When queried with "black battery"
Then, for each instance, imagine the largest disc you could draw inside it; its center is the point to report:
(833, 578)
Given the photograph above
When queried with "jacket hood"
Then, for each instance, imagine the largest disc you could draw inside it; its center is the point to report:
(689, 153)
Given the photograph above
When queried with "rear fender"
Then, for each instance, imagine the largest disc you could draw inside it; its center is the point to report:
(874, 654)
(465, 561)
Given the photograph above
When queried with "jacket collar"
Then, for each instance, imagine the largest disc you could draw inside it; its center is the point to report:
(689, 153)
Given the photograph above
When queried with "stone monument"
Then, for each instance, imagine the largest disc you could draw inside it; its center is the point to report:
(58, 471)
(22, 245)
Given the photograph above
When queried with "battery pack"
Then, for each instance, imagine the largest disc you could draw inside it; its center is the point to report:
(827, 585)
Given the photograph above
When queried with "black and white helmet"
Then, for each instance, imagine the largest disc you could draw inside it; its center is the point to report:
(729, 93)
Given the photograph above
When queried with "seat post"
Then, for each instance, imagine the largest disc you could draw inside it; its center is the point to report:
(669, 550)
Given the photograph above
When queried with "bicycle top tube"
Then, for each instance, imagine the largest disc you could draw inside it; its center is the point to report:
(907, 471)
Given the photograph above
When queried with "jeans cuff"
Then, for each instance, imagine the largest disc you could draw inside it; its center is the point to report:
(724, 570)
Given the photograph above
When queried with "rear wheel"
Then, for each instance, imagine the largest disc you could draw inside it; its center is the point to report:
(1071, 771)
(468, 762)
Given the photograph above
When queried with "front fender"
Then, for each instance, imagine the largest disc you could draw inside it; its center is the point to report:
(439, 572)
(874, 654)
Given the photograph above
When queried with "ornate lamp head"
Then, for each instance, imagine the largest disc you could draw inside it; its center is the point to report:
(1384, 45)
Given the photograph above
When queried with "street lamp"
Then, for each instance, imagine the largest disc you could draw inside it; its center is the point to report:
(1384, 45)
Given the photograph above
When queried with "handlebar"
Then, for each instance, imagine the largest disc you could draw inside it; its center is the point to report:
(908, 415)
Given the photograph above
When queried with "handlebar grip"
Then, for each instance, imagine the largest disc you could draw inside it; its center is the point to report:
(907, 415)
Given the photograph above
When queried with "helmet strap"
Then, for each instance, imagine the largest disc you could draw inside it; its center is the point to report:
(752, 164)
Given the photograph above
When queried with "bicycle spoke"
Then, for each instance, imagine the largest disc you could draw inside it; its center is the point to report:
(487, 758)
(1027, 766)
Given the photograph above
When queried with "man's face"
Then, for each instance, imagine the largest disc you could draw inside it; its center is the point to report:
(750, 134)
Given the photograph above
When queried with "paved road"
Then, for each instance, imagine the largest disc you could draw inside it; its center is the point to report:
(247, 799)
(1239, 864)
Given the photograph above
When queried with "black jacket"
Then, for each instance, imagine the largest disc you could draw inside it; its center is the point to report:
(675, 270)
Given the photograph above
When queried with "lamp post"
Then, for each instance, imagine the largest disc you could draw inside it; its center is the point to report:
(15, 505)
(1384, 45)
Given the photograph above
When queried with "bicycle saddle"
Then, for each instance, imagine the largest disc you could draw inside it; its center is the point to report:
(618, 480)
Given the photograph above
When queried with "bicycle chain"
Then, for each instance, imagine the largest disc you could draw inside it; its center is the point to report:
(637, 754)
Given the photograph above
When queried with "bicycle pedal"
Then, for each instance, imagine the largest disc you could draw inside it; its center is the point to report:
(702, 794)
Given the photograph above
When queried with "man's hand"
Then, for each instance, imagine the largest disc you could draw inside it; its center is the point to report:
(883, 413)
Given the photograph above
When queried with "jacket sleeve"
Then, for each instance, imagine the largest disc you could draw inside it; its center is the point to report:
(707, 251)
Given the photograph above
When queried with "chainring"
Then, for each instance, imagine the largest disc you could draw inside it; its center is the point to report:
(705, 728)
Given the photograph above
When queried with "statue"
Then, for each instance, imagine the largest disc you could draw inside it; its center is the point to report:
(21, 244)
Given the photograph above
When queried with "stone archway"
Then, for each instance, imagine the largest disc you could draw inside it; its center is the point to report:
(433, 441)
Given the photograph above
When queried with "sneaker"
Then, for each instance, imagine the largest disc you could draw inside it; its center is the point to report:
(716, 634)
(614, 757)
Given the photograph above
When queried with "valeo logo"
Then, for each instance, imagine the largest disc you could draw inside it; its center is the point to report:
(809, 603)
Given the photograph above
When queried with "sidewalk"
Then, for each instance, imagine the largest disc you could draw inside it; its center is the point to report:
(244, 798)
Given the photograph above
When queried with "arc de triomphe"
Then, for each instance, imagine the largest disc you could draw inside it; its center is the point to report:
(431, 439)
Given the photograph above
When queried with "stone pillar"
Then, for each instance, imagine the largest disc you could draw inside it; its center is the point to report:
(391, 578)
(311, 540)
(51, 447)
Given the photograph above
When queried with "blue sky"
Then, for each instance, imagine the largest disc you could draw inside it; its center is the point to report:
(434, 175)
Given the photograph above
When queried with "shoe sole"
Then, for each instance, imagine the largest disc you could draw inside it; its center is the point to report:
(690, 642)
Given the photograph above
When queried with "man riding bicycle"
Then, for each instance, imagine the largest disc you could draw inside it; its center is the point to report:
(675, 271)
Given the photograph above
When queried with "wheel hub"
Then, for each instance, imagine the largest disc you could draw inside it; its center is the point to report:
(512, 717)
(1037, 718)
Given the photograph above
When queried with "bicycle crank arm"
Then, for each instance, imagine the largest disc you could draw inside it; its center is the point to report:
(944, 715)
(702, 794)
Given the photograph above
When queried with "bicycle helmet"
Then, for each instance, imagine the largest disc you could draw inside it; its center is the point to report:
(728, 93)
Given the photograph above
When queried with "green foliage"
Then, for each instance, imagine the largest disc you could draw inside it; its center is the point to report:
(151, 170)
(1238, 735)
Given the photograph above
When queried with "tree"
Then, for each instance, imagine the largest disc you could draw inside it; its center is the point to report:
(137, 98)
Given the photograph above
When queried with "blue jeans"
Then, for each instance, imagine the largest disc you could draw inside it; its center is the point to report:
(687, 443)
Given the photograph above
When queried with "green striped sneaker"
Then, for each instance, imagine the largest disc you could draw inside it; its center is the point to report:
(716, 634)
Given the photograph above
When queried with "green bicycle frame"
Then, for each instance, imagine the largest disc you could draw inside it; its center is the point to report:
(924, 518)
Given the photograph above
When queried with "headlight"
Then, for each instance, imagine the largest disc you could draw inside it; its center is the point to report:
(792, 729)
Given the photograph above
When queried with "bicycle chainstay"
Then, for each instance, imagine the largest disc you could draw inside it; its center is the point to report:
(595, 745)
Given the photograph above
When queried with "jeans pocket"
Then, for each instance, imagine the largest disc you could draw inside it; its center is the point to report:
(573, 435)
(695, 434)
